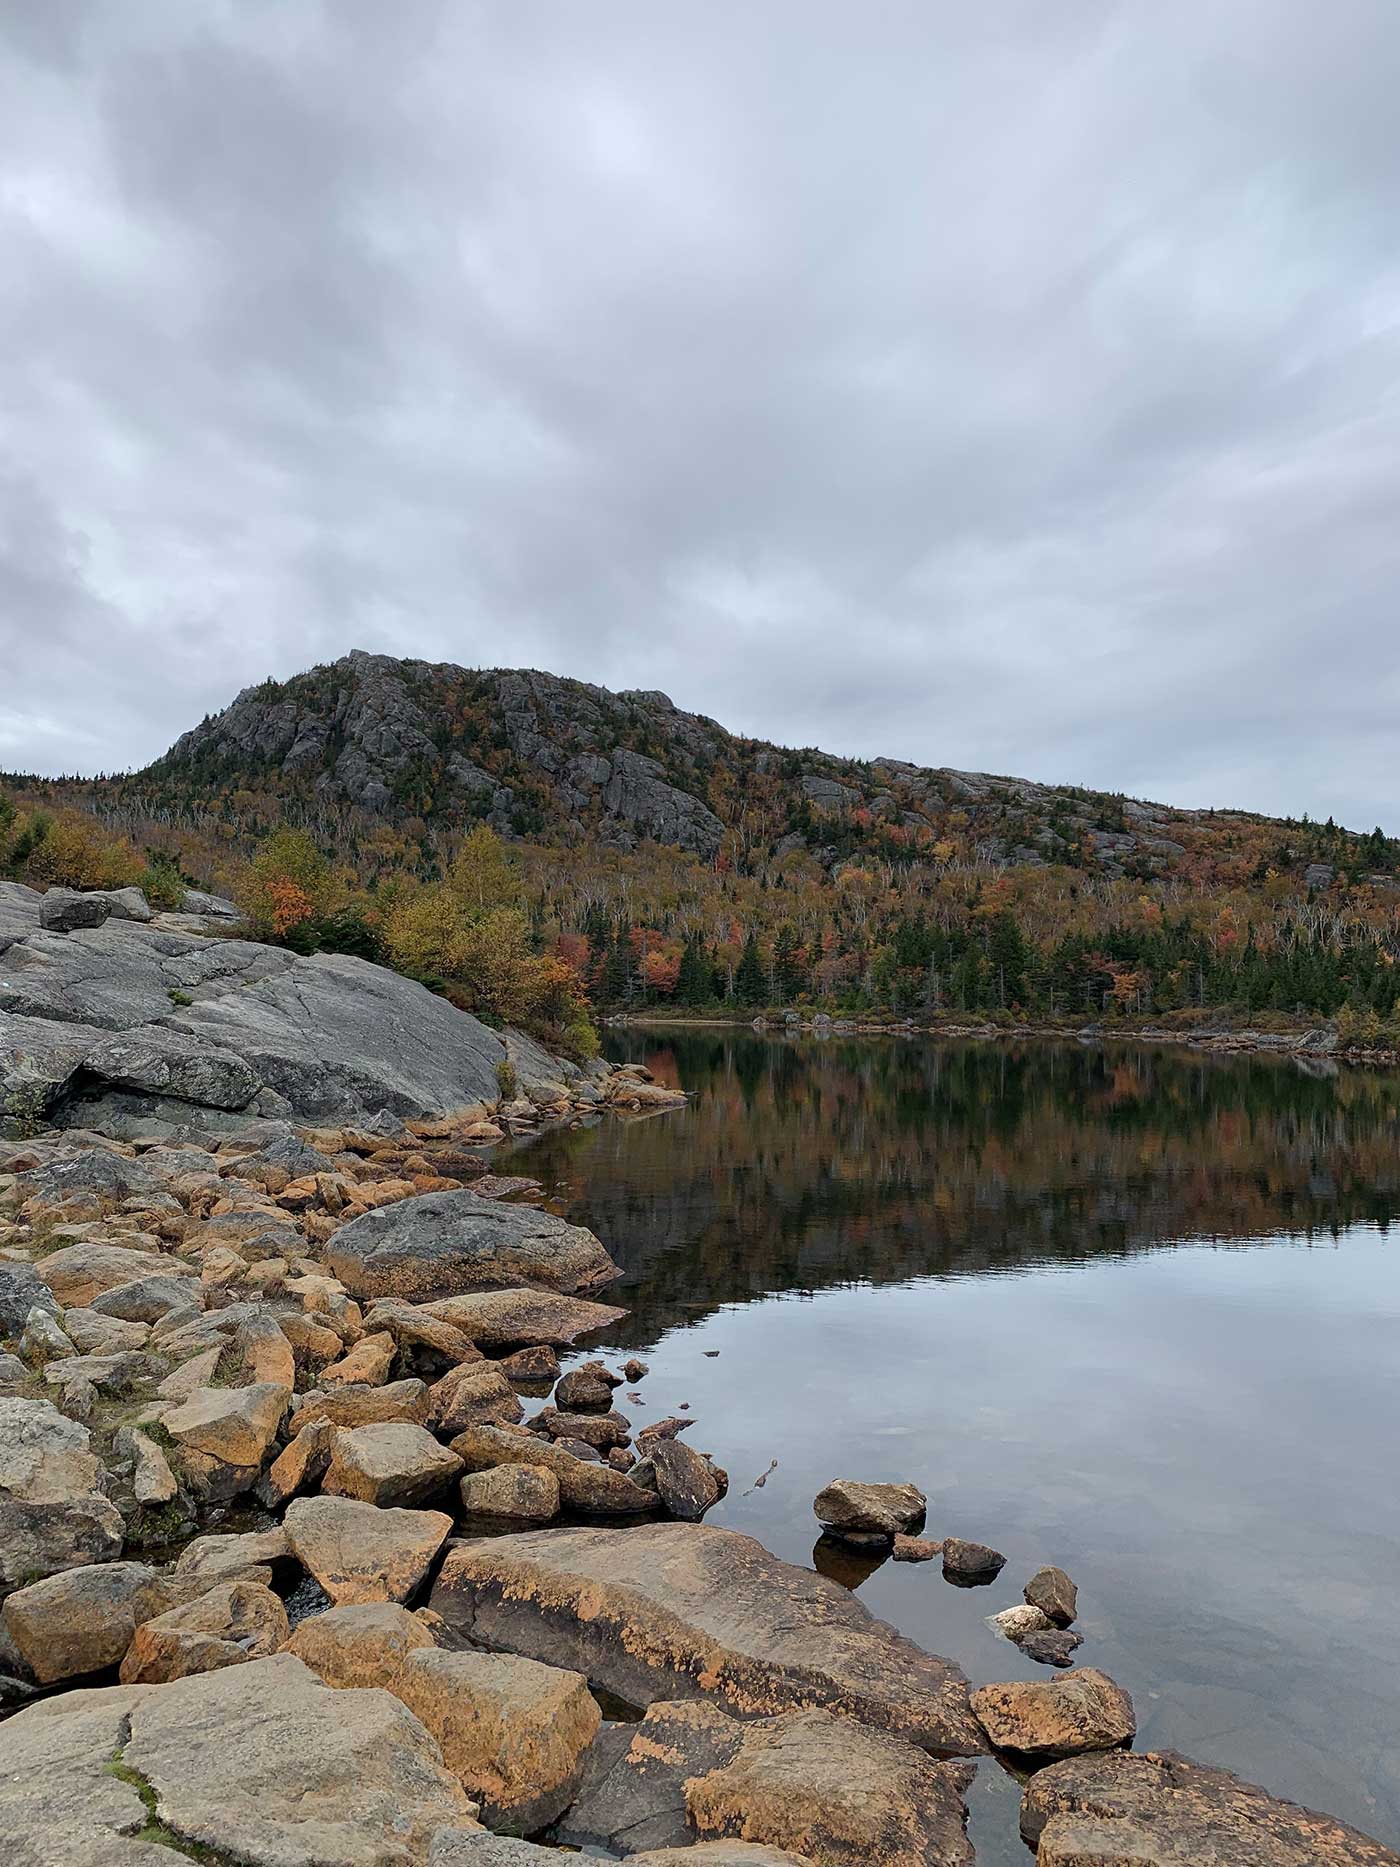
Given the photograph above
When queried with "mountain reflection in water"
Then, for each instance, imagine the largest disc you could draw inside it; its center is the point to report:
(1131, 1310)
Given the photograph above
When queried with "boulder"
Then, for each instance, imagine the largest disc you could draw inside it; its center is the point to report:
(150, 1298)
(441, 1243)
(1055, 1647)
(362, 1406)
(599, 1430)
(847, 1505)
(512, 1730)
(21, 1290)
(461, 1848)
(531, 1367)
(361, 1644)
(1052, 1591)
(222, 1434)
(584, 1485)
(358, 1552)
(265, 1765)
(301, 1464)
(367, 1364)
(832, 1791)
(1038, 1718)
(389, 1463)
(78, 1274)
(520, 1493)
(416, 1328)
(82, 1620)
(971, 1565)
(683, 1610)
(1162, 1810)
(232, 1624)
(582, 1392)
(63, 910)
(53, 1512)
(234, 1557)
(474, 1394)
(537, 1318)
(686, 1482)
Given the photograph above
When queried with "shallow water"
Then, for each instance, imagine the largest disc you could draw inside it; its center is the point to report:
(1132, 1311)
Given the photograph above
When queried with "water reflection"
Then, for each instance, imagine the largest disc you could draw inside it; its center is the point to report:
(1131, 1311)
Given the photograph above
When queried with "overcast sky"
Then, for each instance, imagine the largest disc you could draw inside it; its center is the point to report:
(1011, 387)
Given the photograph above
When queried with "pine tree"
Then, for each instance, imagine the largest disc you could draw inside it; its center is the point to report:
(750, 981)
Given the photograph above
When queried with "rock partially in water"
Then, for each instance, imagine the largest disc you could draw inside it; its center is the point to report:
(686, 1481)
(1052, 1591)
(971, 1565)
(684, 1610)
(1085, 1710)
(1162, 1810)
(440, 1244)
(517, 1493)
(835, 1792)
(1054, 1647)
(846, 1506)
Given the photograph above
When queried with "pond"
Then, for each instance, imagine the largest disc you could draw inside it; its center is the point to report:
(1133, 1311)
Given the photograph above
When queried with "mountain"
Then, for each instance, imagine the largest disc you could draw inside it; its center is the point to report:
(554, 760)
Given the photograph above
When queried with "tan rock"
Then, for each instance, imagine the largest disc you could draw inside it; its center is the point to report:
(672, 1610)
(223, 1433)
(264, 1354)
(233, 1623)
(192, 1375)
(362, 1406)
(300, 1464)
(474, 1394)
(311, 1341)
(412, 1327)
(363, 1644)
(152, 1480)
(870, 1509)
(506, 1318)
(368, 1363)
(83, 1619)
(390, 1463)
(358, 1552)
(78, 1273)
(523, 1493)
(583, 1484)
(1162, 1810)
(513, 1731)
(1082, 1710)
(233, 1557)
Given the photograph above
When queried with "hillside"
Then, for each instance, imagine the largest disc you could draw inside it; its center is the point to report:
(652, 857)
(540, 757)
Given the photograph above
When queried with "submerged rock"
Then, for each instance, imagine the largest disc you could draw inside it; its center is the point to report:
(684, 1610)
(1162, 1810)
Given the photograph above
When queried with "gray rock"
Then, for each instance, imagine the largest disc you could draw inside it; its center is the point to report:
(846, 1506)
(668, 1604)
(971, 1565)
(441, 1243)
(209, 907)
(686, 1482)
(53, 1512)
(1052, 1591)
(63, 911)
(259, 1763)
(21, 1290)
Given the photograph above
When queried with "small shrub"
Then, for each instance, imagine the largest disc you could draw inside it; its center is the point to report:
(507, 1080)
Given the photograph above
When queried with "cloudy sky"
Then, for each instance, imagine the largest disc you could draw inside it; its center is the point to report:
(1009, 386)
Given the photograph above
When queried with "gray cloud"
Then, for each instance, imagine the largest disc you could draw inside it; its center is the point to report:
(1009, 387)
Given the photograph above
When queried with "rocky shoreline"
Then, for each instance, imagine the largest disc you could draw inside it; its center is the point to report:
(311, 1554)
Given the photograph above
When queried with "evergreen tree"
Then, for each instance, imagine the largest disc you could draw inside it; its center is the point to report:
(750, 980)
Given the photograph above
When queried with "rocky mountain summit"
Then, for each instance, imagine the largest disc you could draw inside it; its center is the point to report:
(537, 755)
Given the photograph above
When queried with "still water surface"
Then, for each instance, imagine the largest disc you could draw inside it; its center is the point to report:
(1132, 1311)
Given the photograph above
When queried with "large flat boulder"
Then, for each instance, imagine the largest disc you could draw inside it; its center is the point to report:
(1042, 1718)
(1162, 1810)
(441, 1243)
(684, 1610)
(53, 1511)
(540, 1318)
(260, 1764)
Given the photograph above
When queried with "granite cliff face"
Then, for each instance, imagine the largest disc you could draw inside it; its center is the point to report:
(539, 756)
